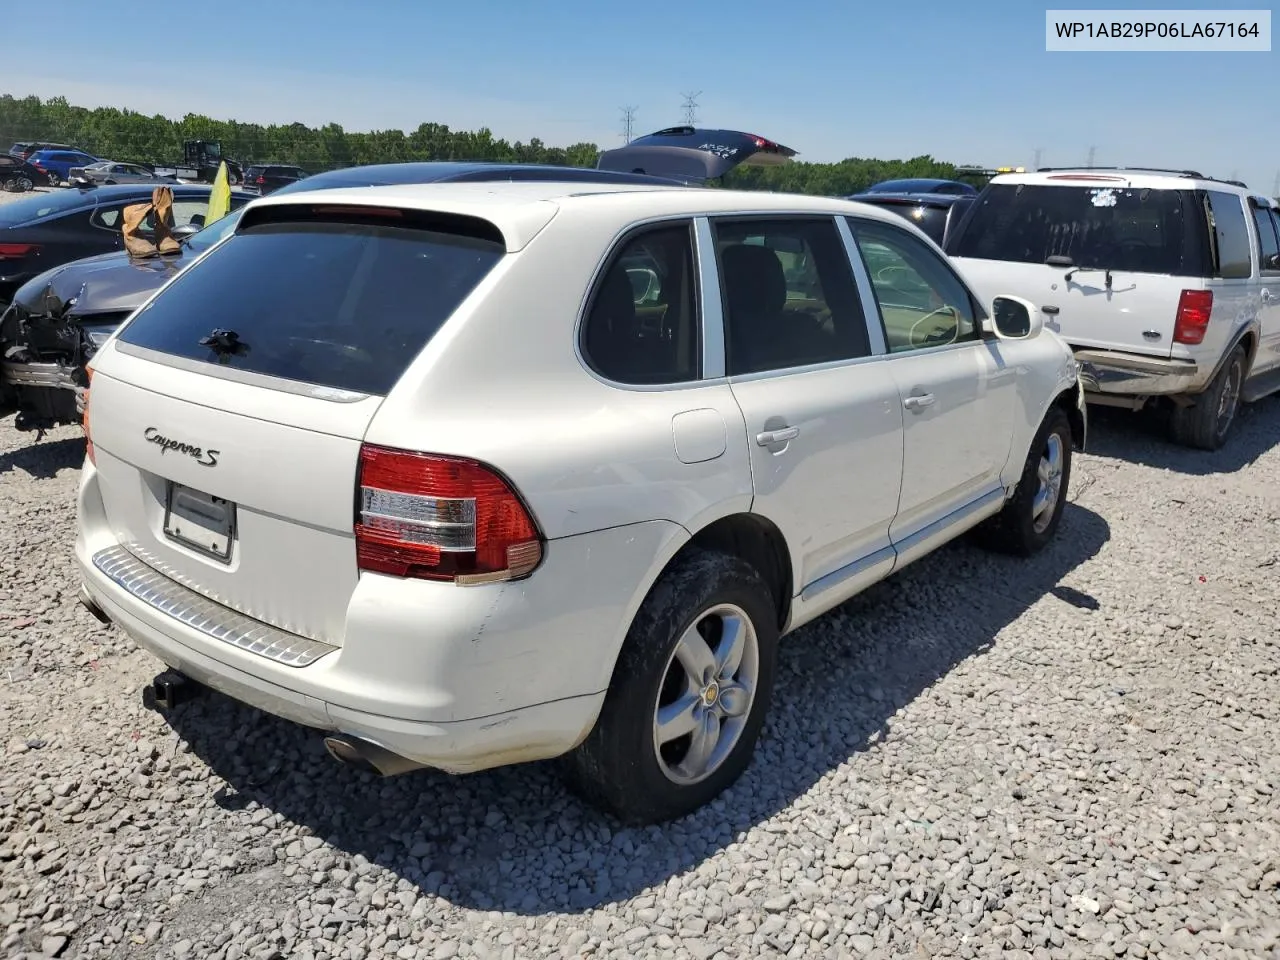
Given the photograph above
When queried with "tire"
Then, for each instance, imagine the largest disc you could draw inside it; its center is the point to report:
(1026, 525)
(621, 767)
(1206, 424)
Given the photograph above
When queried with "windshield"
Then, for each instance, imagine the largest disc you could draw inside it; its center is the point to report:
(40, 205)
(206, 238)
(1116, 228)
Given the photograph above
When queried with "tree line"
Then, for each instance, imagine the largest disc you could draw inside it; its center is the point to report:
(126, 135)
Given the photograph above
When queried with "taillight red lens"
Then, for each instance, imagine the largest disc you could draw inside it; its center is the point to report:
(440, 518)
(13, 251)
(261, 180)
(1194, 309)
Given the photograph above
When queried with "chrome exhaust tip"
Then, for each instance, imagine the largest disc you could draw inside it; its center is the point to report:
(369, 757)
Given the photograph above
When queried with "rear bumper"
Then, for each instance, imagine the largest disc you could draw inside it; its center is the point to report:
(456, 678)
(1132, 374)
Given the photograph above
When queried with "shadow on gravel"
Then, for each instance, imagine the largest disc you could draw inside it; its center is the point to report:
(513, 839)
(1142, 438)
(45, 459)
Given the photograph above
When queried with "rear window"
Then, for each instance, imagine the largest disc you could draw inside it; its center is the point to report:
(40, 205)
(932, 220)
(345, 303)
(1117, 228)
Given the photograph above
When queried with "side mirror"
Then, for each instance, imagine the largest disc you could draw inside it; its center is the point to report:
(1013, 318)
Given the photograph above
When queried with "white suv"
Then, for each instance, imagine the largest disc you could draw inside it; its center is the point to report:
(1165, 283)
(474, 474)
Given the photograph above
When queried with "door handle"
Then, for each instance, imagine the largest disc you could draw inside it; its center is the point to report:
(1267, 295)
(918, 402)
(1049, 309)
(770, 437)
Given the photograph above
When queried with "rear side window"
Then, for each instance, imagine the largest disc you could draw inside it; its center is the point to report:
(642, 327)
(1230, 235)
(342, 302)
(1117, 228)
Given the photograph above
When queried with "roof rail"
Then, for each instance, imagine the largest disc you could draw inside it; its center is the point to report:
(1178, 173)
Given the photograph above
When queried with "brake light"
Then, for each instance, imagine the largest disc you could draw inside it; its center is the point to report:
(1194, 308)
(84, 417)
(440, 518)
(261, 179)
(15, 251)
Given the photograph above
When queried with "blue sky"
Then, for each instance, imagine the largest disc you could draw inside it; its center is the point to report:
(830, 79)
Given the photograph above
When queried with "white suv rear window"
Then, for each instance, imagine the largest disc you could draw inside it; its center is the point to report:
(340, 301)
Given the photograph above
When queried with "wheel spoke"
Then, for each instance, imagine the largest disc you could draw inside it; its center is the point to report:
(733, 642)
(703, 744)
(677, 719)
(696, 657)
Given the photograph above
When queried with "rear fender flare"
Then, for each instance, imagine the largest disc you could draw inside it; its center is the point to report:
(1251, 329)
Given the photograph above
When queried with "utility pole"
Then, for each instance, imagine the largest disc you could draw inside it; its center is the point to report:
(1276, 189)
(1036, 164)
(628, 122)
(1092, 153)
(690, 107)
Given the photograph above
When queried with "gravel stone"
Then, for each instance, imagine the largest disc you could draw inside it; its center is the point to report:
(1068, 756)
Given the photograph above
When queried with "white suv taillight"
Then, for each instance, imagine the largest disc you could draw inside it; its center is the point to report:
(441, 518)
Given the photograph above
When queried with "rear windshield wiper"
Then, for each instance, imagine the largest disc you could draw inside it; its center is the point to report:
(1058, 260)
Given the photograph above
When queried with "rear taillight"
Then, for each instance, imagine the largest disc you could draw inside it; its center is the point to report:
(84, 418)
(440, 518)
(15, 251)
(261, 180)
(1194, 308)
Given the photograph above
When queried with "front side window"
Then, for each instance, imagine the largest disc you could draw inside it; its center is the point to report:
(790, 299)
(1104, 227)
(1265, 221)
(642, 324)
(922, 302)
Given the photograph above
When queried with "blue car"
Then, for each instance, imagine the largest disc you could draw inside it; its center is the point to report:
(56, 164)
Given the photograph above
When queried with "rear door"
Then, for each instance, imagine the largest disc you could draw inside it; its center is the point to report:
(1106, 261)
(227, 416)
(823, 421)
(1267, 222)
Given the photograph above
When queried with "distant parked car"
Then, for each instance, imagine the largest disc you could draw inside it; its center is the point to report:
(46, 230)
(56, 164)
(934, 213)
(267, 178)
(110, 172)
(23, 149)
(914, 185)
(330, 471)
(17, 176)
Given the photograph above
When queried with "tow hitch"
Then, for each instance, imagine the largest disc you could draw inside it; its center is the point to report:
(168, 690)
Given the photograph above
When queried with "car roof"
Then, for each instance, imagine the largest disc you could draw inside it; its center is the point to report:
(520, 209)
(431, 171)
(1140, 177)
(924, 199)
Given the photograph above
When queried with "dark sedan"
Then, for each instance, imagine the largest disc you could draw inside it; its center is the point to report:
(935, 213)
(45, 230)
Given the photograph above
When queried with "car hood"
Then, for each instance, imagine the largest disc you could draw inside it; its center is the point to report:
(109, 283)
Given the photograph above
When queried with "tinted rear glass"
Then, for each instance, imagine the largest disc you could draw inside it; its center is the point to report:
(932, 220)
(40, 205)
(1121, 228)
(346, 305)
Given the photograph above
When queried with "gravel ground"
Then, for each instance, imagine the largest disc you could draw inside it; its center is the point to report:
(1066, 757)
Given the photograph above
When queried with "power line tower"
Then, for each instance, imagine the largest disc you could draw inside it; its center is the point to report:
(690, 108)
(1275, 192)
(1036, 164)
(628, 122)
(1092, 153)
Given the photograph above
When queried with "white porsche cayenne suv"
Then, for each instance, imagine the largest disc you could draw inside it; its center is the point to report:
(467, 475)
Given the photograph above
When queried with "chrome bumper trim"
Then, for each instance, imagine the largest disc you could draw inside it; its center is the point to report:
(203, 615)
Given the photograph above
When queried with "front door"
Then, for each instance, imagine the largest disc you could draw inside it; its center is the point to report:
(823, 418)
(957, 391)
